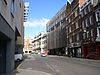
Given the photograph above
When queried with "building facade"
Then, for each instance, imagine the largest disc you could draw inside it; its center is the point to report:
(26, 10)
(28, 48)
(27, 40)
(40, 43)
(76, 33)
(90, 21)
(73, 29)
(11, 32)
(56, 29)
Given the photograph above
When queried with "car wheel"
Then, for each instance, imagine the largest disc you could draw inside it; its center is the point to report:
(18, 60)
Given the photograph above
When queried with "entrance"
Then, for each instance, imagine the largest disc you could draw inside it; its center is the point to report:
(2, 56)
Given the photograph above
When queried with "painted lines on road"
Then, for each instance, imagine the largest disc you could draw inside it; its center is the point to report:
(50, 66)
(53, 67)
(29, 68)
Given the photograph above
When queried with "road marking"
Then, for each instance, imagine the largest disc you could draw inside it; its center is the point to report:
(50, 67)
(29, 68)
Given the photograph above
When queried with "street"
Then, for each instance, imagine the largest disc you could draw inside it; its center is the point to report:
(58, 65)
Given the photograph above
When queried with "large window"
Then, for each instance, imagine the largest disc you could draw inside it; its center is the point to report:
(69, 29)
(89, 7)
(76, 12)
(91, 21)
(77, 25)
(83, 25)
(86, 22)
(85, 12)
(84, 35)
(87, 34)
(77, 37)
(98, 31)
(91, 32)
(70, 39)
(12, 7)
(97, 15)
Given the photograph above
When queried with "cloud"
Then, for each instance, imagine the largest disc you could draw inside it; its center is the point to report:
(36, 22)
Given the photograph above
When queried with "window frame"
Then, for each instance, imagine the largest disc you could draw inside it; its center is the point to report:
(12, 7)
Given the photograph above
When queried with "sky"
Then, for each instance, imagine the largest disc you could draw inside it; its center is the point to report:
(40, 12)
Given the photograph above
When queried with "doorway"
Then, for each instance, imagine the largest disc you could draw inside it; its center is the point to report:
(3, 46)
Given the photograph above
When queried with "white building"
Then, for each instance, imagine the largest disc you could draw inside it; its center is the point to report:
(26, 10)
(40, 43)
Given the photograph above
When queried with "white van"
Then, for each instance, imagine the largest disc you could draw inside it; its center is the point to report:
(18, 57)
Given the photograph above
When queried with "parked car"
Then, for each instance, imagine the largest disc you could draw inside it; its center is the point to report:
(43, 54)
(18, 57)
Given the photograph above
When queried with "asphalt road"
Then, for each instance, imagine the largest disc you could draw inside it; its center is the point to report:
(58, 65)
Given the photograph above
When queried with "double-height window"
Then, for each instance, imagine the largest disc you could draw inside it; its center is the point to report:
(12, 7)
(97, 13)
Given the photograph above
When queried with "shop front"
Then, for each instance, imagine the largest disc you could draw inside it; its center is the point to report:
(75, 50)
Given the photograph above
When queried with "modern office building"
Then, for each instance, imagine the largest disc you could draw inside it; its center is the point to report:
(11, 32)
(56, 32)
(40, 43)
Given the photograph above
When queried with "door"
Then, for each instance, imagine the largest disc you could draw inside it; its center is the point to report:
(2, 56)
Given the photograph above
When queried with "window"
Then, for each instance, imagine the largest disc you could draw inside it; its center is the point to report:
(69, 29)
(84, 35)
(69, 20)
(24, 13)
(91, 32)
(87, 34)
(70, 39)
(85, 11)
(26, 51)
(57, 25)
(82, 13)
(30, 51)
(12, 8)
(83, 25)
(98, 32)
(90, 20)
(98, 15)
(86, 22)
(52, 28)
(77, 37)
(76, 25)
(76, 13)
(89, 7)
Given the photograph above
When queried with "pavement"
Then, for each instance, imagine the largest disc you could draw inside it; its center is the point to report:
(30, 72)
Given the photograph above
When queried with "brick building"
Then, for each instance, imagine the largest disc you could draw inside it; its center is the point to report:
(73, 29)
(90, 21)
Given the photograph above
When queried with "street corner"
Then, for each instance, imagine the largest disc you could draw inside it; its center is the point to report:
(30, 72)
